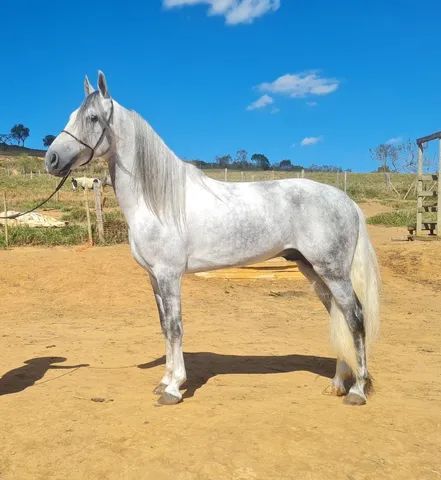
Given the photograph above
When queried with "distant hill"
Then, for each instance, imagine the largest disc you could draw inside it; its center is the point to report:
(15, 150)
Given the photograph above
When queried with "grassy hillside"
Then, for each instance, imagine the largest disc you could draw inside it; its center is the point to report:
(14, 150)
(24, 189)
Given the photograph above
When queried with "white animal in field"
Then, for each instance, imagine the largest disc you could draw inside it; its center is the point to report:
(84, 182)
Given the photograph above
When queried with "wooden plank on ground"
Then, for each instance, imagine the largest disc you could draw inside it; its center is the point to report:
(276, 268)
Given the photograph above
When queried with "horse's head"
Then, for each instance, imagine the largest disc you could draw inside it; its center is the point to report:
(87, 133)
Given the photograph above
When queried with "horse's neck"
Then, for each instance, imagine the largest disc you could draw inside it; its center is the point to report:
(121, 158)
(122, 162)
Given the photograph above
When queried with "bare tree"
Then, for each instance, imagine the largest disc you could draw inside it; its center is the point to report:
(396, 157)
(386, 155)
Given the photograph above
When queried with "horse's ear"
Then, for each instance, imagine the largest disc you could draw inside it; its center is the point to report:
(88, 89)
(102, 84)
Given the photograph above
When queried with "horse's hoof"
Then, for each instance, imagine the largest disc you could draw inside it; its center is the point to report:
(168, 399)
(159, 389)
(338, 391)
(354, 399)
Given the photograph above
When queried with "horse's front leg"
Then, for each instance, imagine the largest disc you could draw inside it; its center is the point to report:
(167, 288)
(166, 379)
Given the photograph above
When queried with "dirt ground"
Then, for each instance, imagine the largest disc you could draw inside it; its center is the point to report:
(81, 350)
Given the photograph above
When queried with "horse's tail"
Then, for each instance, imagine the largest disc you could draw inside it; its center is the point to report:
(366, 283)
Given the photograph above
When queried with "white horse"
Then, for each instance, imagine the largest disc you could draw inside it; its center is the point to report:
(84, 183)
(182, 221)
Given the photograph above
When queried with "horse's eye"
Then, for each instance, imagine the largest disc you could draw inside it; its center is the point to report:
(94, 118)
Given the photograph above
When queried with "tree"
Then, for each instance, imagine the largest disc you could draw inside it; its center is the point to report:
(48, 140)
(224, 161)
(408, 157)
(324, 168)
(386, 155)
(241, 158)
(394, 157)
(20, 133)
(261, 161)
(285, 165)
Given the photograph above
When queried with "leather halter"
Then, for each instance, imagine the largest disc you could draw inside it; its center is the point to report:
(98, 143)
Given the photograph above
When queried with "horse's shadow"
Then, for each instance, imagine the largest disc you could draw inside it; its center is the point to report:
(201, 366)
(33, 370)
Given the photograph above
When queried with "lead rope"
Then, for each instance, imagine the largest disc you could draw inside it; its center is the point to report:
(16, 215)
(92, 154)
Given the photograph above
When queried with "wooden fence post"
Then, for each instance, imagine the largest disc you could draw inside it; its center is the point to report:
(241, 176)
(226, 175)
(5, 204)
(99, 211)
(438, 200)
(419, 221)
(345, 180)
(89, 225)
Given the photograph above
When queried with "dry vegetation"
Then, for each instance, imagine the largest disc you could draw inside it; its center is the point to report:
(25, 183)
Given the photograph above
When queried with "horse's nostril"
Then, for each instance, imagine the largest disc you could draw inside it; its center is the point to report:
(54, 160)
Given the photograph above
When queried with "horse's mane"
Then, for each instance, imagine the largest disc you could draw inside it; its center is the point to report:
(160, 174)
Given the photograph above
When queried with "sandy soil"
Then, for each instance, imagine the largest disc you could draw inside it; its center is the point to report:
(81, 350)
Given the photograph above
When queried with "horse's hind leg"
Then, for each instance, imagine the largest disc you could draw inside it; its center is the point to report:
(342, 372)
(167, 288)
(348, 333)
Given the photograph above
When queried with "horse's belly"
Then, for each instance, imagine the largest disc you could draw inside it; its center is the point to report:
(201, 263)
(217, 244)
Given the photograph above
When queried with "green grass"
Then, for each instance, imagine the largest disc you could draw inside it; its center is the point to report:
(24, 235)
(115, 231)
(399, 218)
(77, 214)
(18, 236)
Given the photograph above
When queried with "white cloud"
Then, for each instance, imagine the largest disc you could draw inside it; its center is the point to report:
(261, 102)
(298, 85)
(234, 11)
(394, 140)
(311, 104)
(307, 141)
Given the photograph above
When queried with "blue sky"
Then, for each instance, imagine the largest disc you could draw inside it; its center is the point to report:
(215, 76)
